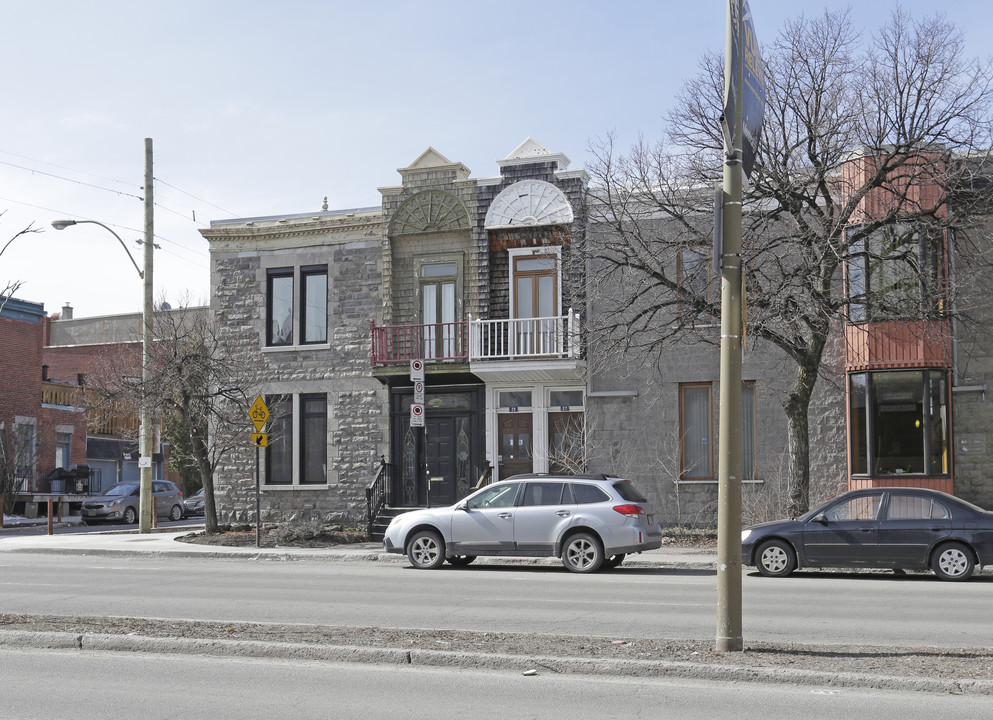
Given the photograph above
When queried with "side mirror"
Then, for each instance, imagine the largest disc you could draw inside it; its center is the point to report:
(819, 518)
(462, 506)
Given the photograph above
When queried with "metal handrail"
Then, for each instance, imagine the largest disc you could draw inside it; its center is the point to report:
(377, 494)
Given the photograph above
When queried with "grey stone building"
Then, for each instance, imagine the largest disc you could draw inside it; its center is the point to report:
(480, 281)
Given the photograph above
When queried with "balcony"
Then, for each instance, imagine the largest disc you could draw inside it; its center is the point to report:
(896, 344)
(488, 346)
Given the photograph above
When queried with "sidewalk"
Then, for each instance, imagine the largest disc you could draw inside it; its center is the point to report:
(164, 543)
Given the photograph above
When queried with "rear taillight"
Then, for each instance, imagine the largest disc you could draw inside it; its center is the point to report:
(629, 510)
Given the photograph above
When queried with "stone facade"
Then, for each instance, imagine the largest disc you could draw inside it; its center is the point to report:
(630, 406)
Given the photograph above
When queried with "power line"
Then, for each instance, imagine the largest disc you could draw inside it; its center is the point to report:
(77, 182)
(216, 207)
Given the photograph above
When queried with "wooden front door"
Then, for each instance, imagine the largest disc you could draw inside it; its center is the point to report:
(516, 444)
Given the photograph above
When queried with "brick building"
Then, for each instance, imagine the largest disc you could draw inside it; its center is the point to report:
(41, 429)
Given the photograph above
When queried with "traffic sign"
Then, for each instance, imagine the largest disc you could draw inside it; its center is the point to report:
(416, 415)
(416, 370)
(259, 413)
(419, 392)
(260, 439)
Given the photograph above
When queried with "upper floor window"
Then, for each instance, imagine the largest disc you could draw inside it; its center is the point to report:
(314, 304)
(896, 272)
(286, 325)
(439, 284)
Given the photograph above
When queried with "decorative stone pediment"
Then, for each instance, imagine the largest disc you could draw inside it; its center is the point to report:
(429, 211)
(529, 203)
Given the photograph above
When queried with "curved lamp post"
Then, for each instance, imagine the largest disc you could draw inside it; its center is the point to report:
(145, 434)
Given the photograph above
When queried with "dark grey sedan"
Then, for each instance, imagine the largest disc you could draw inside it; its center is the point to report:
(897, 528)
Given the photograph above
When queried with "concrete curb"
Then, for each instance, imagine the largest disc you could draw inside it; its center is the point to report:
(483, 661)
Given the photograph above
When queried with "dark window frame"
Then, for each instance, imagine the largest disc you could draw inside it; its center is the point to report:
(272, 276)
(307, 273)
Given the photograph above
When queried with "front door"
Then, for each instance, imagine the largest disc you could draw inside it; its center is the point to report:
(516, 444)
(439, 463)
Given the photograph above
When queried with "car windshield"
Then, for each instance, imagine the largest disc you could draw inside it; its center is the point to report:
(125, 489)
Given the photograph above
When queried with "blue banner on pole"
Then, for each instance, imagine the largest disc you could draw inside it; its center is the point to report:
(745, 55)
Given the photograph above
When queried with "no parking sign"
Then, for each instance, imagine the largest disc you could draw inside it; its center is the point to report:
(416, 415)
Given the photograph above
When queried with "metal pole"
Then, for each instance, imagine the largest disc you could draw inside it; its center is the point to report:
(729, 437)
(258, 502)
(145, 439)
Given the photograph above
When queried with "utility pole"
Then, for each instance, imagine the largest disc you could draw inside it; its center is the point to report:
(729, 430)
(147, 338)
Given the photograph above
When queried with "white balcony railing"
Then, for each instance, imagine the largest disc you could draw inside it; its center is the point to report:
(475, 340)
(511, 339)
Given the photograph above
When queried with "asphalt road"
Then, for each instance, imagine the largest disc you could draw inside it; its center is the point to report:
(880, 610)
(120, 686)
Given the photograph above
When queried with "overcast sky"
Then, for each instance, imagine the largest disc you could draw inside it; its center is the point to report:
(263, 108)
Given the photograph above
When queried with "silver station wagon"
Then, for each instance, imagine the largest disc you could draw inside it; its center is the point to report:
(590, 521)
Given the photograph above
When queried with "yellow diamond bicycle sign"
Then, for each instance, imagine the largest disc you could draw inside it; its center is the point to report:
(259, 413)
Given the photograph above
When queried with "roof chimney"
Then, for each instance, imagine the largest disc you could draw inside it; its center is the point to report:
(66, 311)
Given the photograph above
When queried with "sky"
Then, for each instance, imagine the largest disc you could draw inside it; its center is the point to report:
(257, 108)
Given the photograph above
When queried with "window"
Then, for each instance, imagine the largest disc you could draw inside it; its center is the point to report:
(515, 399)
(495, 496)
(695, 432)
(297, 452)
(542, 493)
(898, 421)
(63, 444)
(314, 304)
(279, 453)
(896, 272)
(535, 291)
(279, 306)
(693, 274)
(588, 494)
(913, 507)
(313, 438)
(439, 284)
(862, 507)
(24, 448)
(286, 325)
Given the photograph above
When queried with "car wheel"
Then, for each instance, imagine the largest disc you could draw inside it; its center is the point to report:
(583, 553)
(460, 560)
(953, 561)
(130, 516)
(614, 560)
(776, 558)
(426, 550)
(177, 513)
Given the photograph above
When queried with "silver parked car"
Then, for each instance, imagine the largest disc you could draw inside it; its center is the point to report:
(120, 503)
(590, 521)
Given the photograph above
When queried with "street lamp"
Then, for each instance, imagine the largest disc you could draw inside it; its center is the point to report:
(145, 434)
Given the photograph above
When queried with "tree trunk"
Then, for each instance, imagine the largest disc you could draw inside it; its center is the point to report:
(797, 407)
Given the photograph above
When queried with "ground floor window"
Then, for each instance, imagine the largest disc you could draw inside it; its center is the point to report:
(899, 422)
(298, 443)
(696, 427)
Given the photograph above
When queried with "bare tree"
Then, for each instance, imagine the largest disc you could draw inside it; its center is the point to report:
(855, 133)
(198, 392)
(12, 286)
(17, 461)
